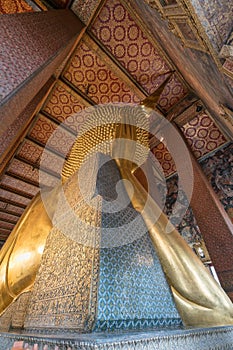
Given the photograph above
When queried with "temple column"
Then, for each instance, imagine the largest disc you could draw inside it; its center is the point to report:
(33, 45)
(214, 223)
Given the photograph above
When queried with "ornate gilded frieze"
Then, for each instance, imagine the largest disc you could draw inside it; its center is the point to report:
(226, 54)
(182, 22)
(65, 290)
(226, 113)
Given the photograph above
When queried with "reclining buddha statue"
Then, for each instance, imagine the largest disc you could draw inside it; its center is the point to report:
(199, 299)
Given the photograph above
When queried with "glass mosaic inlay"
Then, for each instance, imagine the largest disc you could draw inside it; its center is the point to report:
(133, 291)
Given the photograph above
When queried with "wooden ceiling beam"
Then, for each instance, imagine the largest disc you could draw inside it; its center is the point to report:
(19, 177)
(79, 92)
(62, 125)
(38, 166)
(6, 211)
(16, 191)
(52, 150)
(16, 204)
(8, 221)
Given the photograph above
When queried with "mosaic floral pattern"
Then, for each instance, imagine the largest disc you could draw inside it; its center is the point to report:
(27, 172)
(203, 135)
(165, 159)
(219, 170)
(90, 75)
(123, 37)
(63, 104)
(14, 6)
(65, 290)
(42, 130)
(117, 30)
(32, 152)
(173, 92)
(133, 292)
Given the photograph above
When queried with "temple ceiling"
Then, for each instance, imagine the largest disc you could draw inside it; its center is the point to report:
(116, 60)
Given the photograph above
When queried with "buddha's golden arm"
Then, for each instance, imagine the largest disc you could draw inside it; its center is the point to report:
(199, 299)
(21, 255)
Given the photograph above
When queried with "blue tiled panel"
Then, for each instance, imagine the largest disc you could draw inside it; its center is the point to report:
(133, 292)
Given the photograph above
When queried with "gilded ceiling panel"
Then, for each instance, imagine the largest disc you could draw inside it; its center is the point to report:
(165, 159)
(173, 92)
(130, 45)
(44, 128)
(14, 6)
(123, 37)
(30, 151)
(63, 104)
(203, 135)
(90, 73)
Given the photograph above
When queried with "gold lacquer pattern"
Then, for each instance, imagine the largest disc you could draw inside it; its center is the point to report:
(14, 6)
(19, 312)
(65, 291)
(6, 317)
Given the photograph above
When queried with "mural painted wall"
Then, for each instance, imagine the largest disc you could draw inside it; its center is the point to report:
(187, 227)
(216, 18)
(219, 170)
